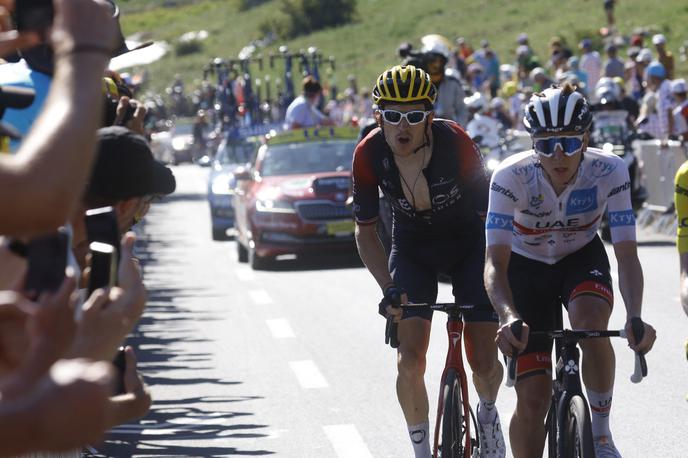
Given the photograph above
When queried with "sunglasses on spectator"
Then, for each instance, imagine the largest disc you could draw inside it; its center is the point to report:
(394, 117)
(569, 145)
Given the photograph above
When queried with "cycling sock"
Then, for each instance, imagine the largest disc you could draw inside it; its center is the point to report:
(600, 405)
(487, 411)
(420, 439)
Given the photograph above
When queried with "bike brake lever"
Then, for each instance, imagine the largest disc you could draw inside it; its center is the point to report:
(516, 328)
(640, 369)
(391, 336)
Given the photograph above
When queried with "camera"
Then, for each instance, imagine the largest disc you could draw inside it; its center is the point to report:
(34, 15)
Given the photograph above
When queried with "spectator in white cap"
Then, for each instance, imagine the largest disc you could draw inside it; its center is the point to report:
(680, 112)
(663, 56)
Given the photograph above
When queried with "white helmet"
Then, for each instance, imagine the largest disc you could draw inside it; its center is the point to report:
(436, 44)
(608, 90)
(476, 102)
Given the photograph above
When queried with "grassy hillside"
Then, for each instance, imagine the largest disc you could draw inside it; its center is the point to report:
(366, 47)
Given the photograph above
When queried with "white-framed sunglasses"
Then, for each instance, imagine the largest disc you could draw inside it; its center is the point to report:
(570, 145)
(412, 117)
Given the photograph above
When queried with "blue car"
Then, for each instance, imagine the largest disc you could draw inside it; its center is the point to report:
(230, 155)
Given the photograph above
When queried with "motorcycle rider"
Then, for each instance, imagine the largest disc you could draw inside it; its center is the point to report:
(482, 128)
(450, 93)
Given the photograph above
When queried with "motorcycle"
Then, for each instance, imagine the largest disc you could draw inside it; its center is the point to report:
(610, 132)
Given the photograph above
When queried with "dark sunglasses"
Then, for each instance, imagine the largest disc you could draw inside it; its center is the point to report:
(412, 117)
(546, 146)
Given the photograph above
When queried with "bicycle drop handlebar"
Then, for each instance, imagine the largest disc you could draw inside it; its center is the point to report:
(391, 327)
(638, 329)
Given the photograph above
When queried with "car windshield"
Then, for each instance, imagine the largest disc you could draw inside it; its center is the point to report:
(308, 157)
(235, 153)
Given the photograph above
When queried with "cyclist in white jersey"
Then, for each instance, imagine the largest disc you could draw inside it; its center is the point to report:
(543, 251)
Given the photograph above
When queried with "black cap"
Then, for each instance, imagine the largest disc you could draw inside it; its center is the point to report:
(125, 168)
(122, 47)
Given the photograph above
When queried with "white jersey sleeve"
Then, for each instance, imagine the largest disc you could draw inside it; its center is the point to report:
(501, 208)
(619, 208)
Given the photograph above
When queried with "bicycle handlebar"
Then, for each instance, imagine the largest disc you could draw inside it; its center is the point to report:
(391, 327)
(638, 329)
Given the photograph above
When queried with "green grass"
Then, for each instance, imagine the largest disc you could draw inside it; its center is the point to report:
(367, 46)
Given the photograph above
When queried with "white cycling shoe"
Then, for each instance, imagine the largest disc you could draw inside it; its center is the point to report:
(605, 448)
(491, 438)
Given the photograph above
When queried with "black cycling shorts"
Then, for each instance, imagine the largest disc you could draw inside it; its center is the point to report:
(416, 265)
(540, 289)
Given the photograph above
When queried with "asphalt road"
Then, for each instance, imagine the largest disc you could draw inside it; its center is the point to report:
(290, 361)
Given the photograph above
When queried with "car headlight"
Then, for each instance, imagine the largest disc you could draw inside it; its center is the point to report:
(222, 185)
(274, 206)
(178, 143)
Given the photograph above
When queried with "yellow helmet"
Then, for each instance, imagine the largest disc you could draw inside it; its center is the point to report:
(404, 84)
(509, 88)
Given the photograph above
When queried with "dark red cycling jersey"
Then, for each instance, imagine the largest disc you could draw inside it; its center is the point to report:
(455, 175)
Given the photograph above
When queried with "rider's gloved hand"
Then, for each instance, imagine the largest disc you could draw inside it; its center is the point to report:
(391, 297)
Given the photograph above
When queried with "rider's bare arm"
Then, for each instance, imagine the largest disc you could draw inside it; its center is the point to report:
(497, 283)
(631, 287)
(373, 253)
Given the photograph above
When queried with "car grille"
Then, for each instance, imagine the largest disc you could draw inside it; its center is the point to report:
(323, 211)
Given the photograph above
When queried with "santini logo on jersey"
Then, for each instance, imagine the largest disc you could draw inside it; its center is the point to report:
(499, 221)
(502, 190)
(618, 189)
(624, 218)
(582, 201)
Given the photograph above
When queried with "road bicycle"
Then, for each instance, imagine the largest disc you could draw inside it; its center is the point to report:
(567, 425)
(453, 438)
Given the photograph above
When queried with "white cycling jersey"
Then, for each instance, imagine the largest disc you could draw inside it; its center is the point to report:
(525, 212)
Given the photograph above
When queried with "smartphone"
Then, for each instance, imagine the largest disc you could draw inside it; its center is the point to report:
(34, 15)
(120, 363)
(101, 226)
(104, 265)
(47, 260)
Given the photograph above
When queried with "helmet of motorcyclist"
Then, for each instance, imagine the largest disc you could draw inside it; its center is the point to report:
(497, 103)
(607, 91)
(436, 50)
(656, 69)
(404, 84)
(558, 109)
(436, 44)
(476, 102)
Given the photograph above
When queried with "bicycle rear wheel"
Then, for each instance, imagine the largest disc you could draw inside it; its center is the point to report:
(578, 430)
(453, 420)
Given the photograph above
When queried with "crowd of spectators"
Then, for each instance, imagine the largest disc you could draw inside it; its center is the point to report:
(76, 178)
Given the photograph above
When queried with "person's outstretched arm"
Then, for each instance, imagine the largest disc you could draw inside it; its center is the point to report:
(43, 182)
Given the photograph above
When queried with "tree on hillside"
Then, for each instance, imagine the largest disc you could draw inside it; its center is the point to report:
(306, 16)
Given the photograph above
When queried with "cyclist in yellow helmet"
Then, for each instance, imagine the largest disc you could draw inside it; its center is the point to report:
(433, 177)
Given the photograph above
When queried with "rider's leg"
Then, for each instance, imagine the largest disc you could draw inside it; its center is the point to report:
(589, 312)
(414, 337)
(481, 352)
(526, 430)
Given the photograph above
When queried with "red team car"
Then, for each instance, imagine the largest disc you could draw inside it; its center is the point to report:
(294, 199)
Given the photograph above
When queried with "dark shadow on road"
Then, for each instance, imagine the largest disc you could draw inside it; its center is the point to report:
(167, 341)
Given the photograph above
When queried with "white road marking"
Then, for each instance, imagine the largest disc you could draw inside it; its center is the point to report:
(280, 328)
(308, 374)
(260, 297)
(245, 274)
(346, 441)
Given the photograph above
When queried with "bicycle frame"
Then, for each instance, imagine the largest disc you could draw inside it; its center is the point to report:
(454, 361)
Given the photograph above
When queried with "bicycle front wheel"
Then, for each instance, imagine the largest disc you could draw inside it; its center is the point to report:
(453, 421)
(577, 430)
